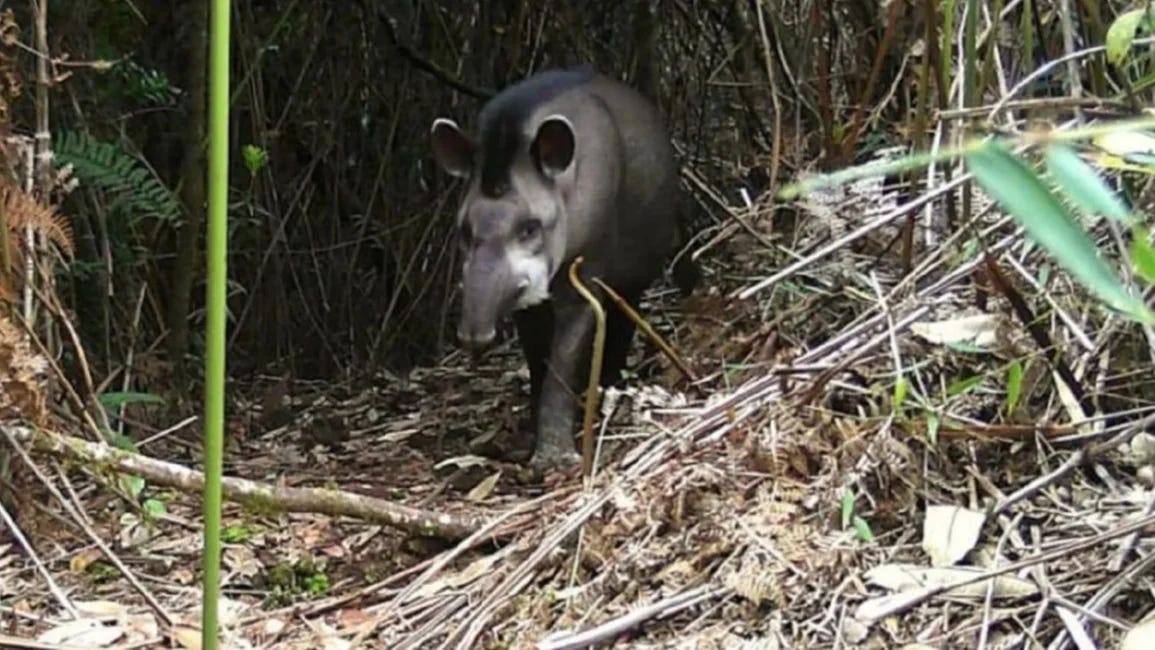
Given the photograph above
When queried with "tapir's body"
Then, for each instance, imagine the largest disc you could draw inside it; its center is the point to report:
(566, 163)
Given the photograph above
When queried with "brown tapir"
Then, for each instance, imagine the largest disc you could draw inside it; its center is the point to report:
(566, 163)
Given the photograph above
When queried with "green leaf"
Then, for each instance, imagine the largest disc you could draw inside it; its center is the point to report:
(932, 427)
(154, 507)
(108, 167)
(847, 506)
(113, 400)
(255, 158)
(135, 485)
(121, 442)
(901, 387)
(1020, 192)
(1014, 385)
(1121, 34)
(967, 348)
(960, 386)
(317, 583)
(1142, 255)
(1083, 185)
(863, 529)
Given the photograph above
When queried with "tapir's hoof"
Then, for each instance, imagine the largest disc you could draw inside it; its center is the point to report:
(550, 458)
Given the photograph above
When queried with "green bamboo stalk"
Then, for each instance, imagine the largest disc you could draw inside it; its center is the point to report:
(217, 265)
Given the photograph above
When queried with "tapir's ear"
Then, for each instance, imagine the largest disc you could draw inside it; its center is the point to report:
(553, 146)
(452, 148)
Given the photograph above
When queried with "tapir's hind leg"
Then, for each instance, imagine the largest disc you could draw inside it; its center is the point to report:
(619, 337)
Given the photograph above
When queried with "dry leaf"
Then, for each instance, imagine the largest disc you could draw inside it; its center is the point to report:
(84, 633)
(949, 533)
(906, 578)
(329, 639)
(1142, 448)
(1140, 637)
(461, 462)
(143, 625)
(100, 608)
(351, 617)
(273, 626)
(854, 630)
(397, 437)
(485, 488)
(1125, 143)
(81, 561)
(187, 637)
(980, 330)
(242, 561)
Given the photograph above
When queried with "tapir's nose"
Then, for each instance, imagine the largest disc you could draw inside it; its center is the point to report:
(475, 339)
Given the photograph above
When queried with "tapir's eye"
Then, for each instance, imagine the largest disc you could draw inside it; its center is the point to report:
(528, 230)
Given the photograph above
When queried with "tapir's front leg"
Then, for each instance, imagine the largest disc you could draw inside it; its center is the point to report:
(564, 382)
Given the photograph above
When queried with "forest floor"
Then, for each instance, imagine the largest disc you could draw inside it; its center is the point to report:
(799, 495)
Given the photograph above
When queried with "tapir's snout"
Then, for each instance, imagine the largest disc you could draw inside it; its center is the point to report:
(488, 293)
(474, 338)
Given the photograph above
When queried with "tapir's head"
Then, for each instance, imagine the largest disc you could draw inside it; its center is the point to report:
(512, 221)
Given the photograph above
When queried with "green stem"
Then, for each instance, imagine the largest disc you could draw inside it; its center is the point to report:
(217, 259)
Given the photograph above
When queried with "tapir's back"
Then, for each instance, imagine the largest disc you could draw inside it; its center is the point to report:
(626, 185)
(649, 156)
(646, 232)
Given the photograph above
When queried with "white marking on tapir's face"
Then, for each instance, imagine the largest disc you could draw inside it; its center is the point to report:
(530, 270)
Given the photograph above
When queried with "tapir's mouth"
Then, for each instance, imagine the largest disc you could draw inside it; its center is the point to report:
(484, 305)
(475, 340)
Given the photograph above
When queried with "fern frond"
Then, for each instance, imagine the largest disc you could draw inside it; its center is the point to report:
(24, 211)
(115, 171)
(11, 273)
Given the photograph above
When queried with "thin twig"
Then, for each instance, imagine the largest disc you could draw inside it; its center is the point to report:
(57, 593)
(1077, 458)
(594, 379)
(610, 629)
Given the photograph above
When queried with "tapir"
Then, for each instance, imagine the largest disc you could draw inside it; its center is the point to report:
(565, 163)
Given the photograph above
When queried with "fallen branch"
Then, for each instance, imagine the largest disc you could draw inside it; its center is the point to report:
(288, 499)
